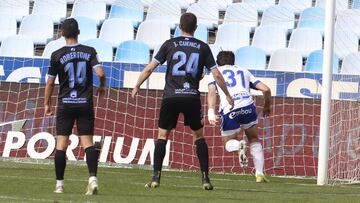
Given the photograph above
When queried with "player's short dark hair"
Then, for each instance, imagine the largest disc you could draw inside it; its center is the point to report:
(70, 28)
(225, 58)
(188, 22)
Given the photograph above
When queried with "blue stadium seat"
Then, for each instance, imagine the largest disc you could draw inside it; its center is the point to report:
(313, 18)
(103, 48)
(88, 28)
(314, 62)
(133, 51)
(355, 4)
(250, 57)
(129, 10)
(201, 33)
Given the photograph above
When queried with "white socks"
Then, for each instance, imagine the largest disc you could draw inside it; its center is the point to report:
(59, 183)
(258, 157)
(232, 145)
(92, 178)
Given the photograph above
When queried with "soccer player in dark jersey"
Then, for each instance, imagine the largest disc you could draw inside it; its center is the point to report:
(74, 65)
(186, 58)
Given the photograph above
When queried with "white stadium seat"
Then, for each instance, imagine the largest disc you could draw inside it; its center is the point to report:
(349, 20)
(88, 28)
(17, 46)
(147, 3)
(153, 33)
(269, 38)
(110, 31)
(242, 13)
(55, 9)
(286, 59)
(232, 36)
(40, 28)
(221, 5)
(166, 11)
(305, 40)
(17, 8)
(260, 5)
(184, 4)
(345, 42)
(53, 46)
(351, 64)
(95, 10)
(296, 5)
(8, 26)
(278, 16)
(206, 14)
(340, 4)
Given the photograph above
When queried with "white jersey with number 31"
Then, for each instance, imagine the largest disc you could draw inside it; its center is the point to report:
(238, 81)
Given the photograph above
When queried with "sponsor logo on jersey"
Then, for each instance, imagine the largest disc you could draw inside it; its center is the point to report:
(234, 114)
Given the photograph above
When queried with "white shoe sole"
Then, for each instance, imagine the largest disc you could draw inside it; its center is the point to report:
(92, 189)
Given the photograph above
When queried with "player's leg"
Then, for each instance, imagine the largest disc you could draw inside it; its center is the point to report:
(85, 126)
(167, 121)
(64, 125)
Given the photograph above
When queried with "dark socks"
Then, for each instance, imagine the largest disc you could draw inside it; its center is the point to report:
(60, 164)
(203, 156)
(159, 154)
(92, 160)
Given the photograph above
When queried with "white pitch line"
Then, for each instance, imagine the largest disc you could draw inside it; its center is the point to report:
(25, 199)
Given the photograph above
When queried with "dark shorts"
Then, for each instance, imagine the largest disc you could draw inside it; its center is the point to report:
(172, 107)
(66, 117)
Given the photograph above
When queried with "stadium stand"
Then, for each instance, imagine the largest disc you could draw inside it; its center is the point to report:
(355, 4)
(305, 40)
(201, 33)
(17, 8)
(88, 28)
(147, 3)
(278, 16)
(296, 5)
(55, 9)
(221, 5)
(313, 18)
(40, 28)
(166, 11)
(8, 25)
(116, 30)
(340, 4)
(349, 20)
(269, 38)
(207, 15)
(314, 62)
(140, 52)
(184, 4)
(95, 10)
(17, 46)
(345, 42)
(132, 10)
(250, 57)
(232, 36)
(243, 13)
(103, 48)
(53, 46)
(260, 5)
(286, 59)
(153, 33)
(351, 64)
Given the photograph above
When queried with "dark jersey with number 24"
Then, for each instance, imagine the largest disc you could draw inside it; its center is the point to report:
(186, 58)
(73, 65)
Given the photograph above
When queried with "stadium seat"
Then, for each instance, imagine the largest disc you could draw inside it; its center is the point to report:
(40, 28)
(232, 36)
(345, 42)
(103, 48)
(296, 5)
(313, 18)
(153, 33)
(17, 46)
(305, 40)
(221, 5)
(184, 4)
(201, 33)
(351, 64)
(55, 9)
(269, 38)
(133, 51)
(278, 16)
(314, 62)
(355, 4)
(110, 31)
(132, 10)
(349, 20)
(340, 4)
(260, 5)
(8, 26)
(166, 11)
(147, 3)
(243, 13)
(17, 8)
(215, 49)
(88, 28)
(53, 46)
(286, 59)
(95, 10)
(206, 14)
(250, 57)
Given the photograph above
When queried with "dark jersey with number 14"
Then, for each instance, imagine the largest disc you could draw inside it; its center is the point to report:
(186, 58)
(74, 66)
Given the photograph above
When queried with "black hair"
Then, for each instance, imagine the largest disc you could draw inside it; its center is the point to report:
(70, 28)
(188, 22)
(225, 58)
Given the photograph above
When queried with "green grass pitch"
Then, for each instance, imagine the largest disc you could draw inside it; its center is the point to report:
(23, 182)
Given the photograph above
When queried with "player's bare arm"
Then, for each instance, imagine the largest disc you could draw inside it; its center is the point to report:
(143, 76)
(101, 75)
(221, 82)
(211, 99)
(49, 88)
(267, 96)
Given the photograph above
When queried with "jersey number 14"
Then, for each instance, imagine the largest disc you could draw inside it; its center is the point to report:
(80, 73)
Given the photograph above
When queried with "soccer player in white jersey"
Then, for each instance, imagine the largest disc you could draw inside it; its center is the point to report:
(239, 81)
